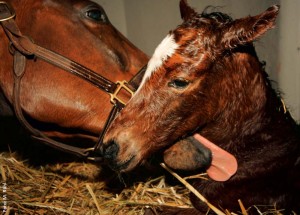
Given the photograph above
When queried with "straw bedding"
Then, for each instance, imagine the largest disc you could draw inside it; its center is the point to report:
(84, 188)
(77, 188)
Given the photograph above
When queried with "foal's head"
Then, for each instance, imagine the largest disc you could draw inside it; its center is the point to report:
(204, 76)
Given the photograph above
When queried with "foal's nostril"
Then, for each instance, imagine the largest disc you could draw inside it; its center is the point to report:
(110, 150)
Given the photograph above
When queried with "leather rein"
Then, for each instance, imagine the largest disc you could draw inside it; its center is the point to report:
(23, 48)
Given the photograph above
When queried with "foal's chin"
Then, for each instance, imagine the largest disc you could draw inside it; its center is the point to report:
(121, 152)
(125, 163)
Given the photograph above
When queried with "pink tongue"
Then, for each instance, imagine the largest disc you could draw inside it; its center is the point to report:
(224, 164)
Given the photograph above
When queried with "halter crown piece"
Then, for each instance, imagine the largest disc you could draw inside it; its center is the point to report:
(22, 47)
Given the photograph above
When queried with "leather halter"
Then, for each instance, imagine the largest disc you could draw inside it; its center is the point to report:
(23, 48)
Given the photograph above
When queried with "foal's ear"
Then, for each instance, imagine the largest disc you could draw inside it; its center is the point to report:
(245, 30)
(186, 11)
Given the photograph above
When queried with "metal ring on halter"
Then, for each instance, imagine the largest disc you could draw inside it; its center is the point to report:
(6, 11)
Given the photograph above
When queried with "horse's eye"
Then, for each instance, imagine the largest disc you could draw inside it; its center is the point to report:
(179, 83)
(96, 15)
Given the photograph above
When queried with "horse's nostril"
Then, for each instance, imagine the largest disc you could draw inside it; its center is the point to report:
(110, 150)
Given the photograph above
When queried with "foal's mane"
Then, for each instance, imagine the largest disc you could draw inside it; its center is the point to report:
(212, 12)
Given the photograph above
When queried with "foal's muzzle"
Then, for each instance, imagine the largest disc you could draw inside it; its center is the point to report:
(110, 150)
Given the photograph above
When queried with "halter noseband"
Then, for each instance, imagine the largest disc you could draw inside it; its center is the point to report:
(22, 47)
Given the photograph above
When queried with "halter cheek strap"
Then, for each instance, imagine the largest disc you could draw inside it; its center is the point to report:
(24, 48)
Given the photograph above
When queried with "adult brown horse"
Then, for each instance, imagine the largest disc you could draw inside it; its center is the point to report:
(205, 77)
(58, 103)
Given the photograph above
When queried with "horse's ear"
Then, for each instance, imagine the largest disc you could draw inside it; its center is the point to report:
(245, 30)
(186, 11)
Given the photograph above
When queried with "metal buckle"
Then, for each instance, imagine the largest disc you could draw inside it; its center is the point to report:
(121, 85)
(6, 11)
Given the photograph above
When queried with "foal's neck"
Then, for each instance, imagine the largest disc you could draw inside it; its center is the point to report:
(253, 111)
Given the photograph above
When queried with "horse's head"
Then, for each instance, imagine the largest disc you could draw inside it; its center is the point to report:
(194, 82)
(59, 103)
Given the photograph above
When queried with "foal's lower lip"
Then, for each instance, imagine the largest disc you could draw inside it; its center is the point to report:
(123, 165)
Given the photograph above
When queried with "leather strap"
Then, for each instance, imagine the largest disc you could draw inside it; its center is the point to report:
(22, 47)
(134, 83)
(19, 61)
(28, 48)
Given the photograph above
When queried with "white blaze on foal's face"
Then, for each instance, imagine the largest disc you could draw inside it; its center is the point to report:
(165, 49)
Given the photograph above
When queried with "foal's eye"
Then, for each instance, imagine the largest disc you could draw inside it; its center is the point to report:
(96, 14)
(179, 83)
